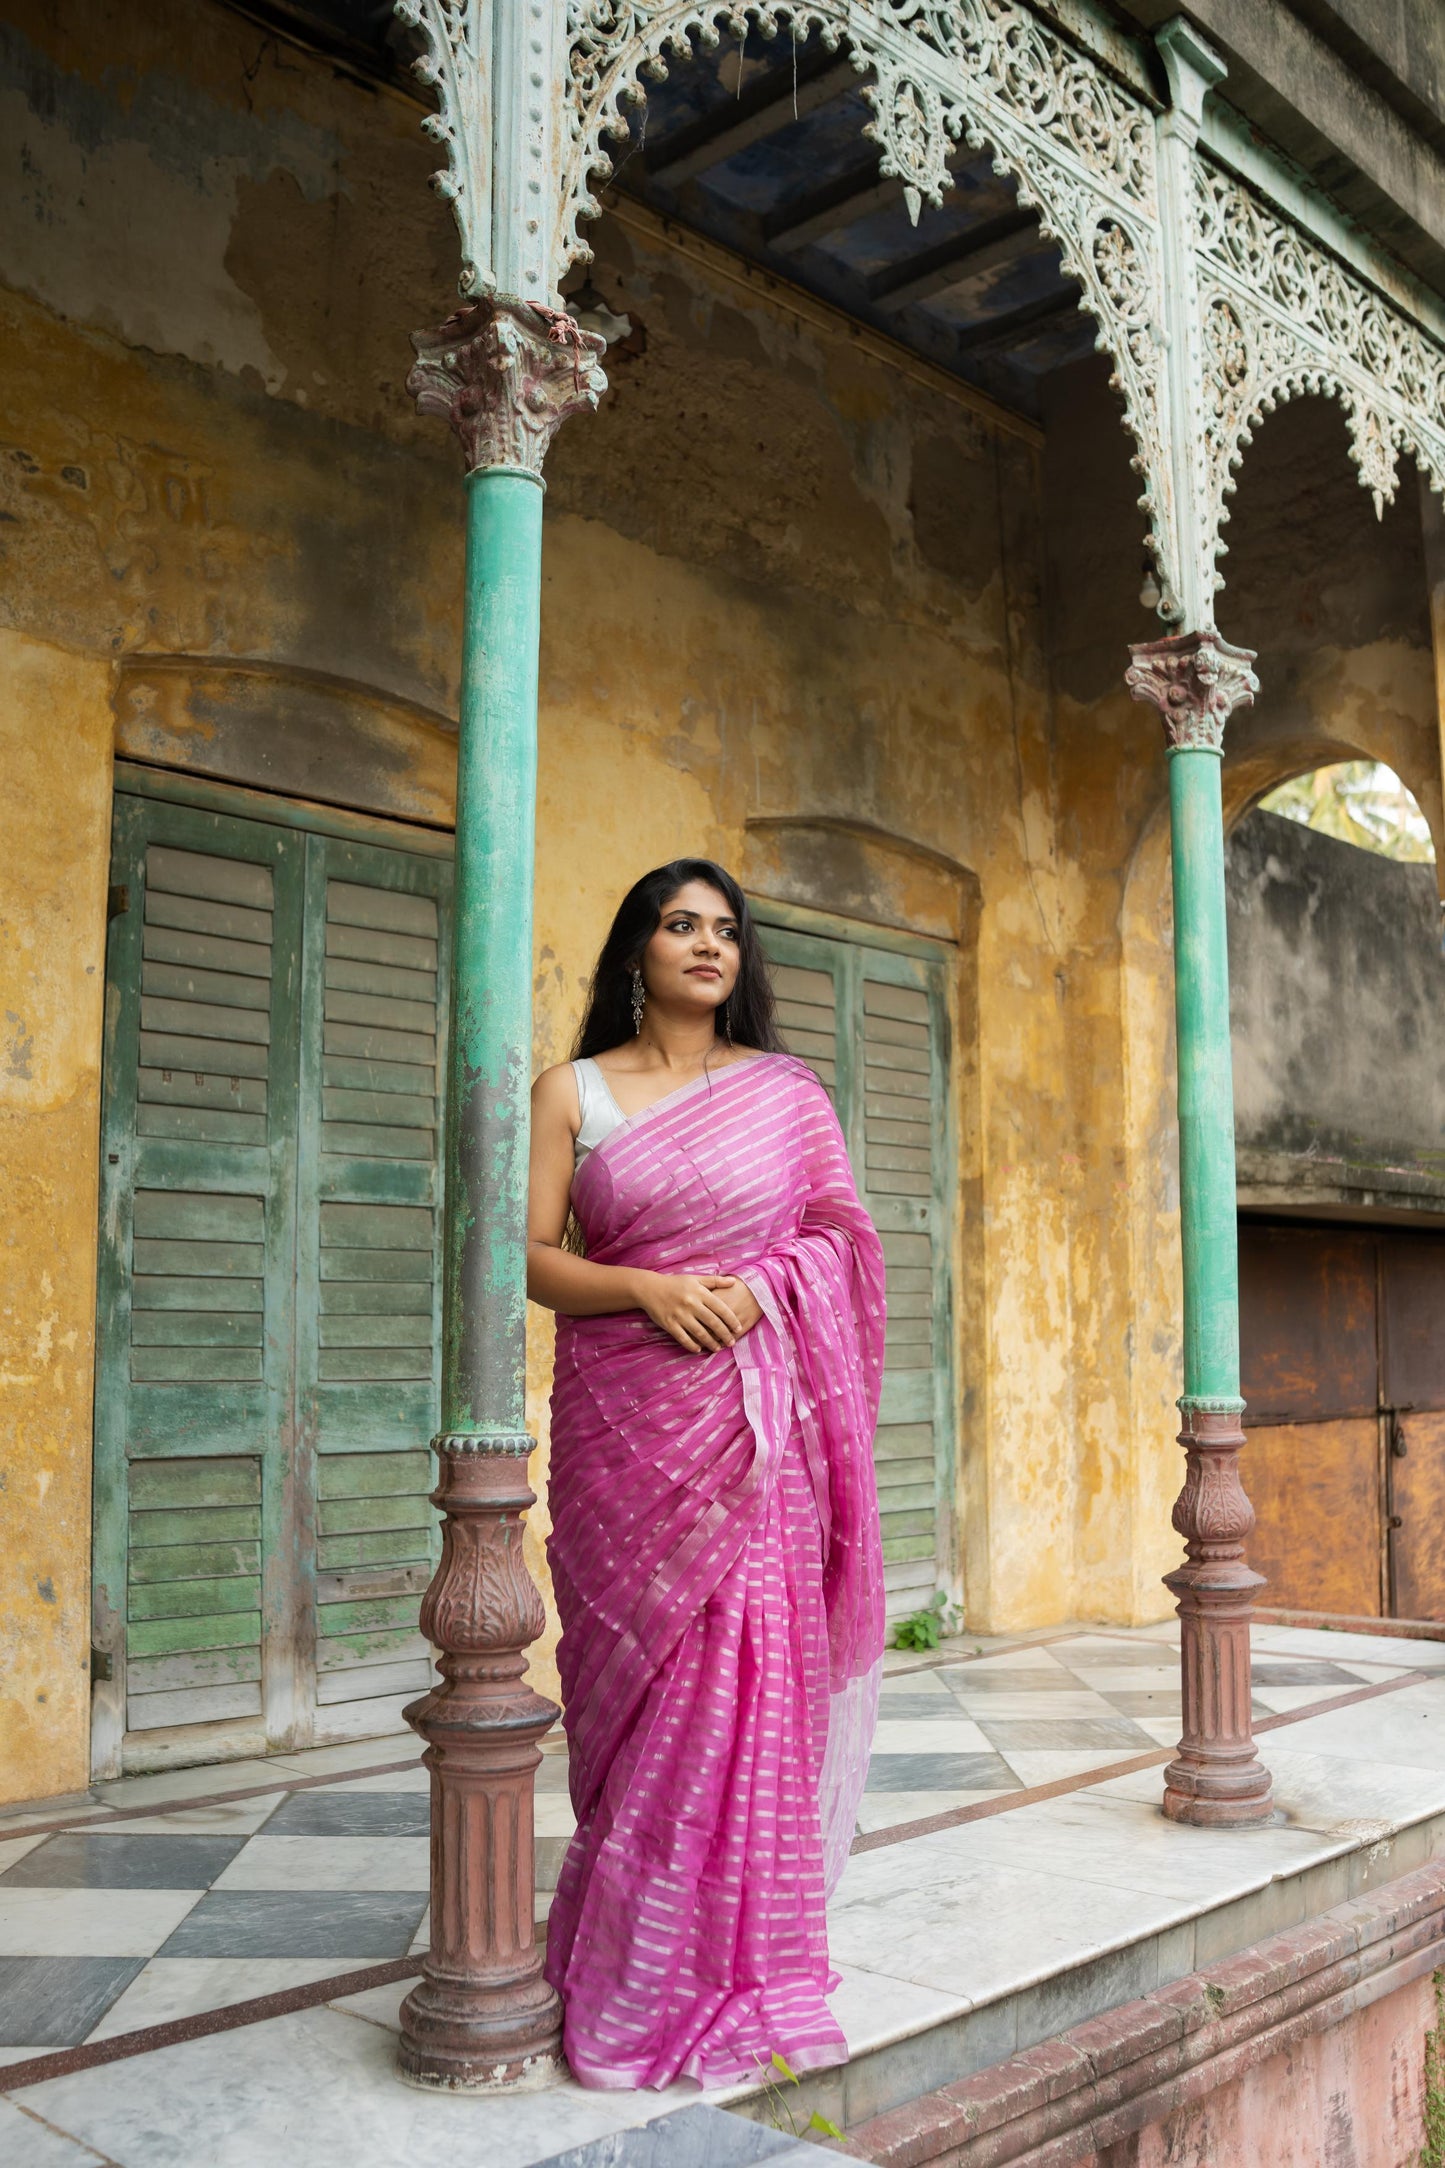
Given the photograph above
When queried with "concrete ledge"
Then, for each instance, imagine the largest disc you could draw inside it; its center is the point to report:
(1111, 2076)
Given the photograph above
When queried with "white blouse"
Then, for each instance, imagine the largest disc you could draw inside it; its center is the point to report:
(600, 1112)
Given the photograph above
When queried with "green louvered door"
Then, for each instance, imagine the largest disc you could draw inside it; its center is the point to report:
(271, 1074)
(368, 1284)
(873, 1023)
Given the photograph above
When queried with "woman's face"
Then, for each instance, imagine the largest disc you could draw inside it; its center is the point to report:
(692, 959)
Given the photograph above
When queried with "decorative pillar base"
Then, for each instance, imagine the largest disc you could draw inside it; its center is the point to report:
(1217, 1780)
(482, 2016)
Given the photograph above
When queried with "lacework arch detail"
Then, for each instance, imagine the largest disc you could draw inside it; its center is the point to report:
(938, 73)
(1281, 318)
(1277, 315)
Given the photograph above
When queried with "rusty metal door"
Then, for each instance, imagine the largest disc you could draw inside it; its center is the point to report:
(1343, 1356)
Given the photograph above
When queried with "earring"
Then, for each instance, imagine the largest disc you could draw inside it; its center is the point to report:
(727, 1024)
(639, 1001)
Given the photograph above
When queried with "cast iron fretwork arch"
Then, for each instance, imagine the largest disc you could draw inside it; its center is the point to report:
(531, 94)
(1078, 146)
(1280, 318)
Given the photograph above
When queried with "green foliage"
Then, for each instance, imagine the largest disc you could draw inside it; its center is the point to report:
(1433, 2155)
(780, 2111)
(1359, 802)
(925, 1629)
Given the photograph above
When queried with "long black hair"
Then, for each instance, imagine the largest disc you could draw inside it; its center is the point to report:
(607, 1021)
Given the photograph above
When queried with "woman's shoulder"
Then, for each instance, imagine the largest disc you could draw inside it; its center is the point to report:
(555, 1089)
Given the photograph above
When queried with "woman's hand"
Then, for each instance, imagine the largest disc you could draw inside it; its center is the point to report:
(740, 1299)
(701, 1314)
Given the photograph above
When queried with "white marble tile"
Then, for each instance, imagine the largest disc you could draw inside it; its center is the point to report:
(89, 1922)
(978, 1929)
(954, 1734)
(25, 2142)
(1014, 1659)
(21, 2055)
(379, 1863)
(1132, 1678)
(884, 1810)
(17, 1820)
(317, 1761)
(1406, 1727)
(1033, 1707)
(1164, 1729)
(1344, 1648)
(172, 1987)
(1046, 1765)
(874, 2008)
(241, 1818)
(553, 1815)
(379, 2005)
(1130, 1845)
(121, 1793)
(322, 2086)
(915, 1682)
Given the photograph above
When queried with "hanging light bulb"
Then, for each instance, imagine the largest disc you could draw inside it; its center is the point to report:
(1150, 594)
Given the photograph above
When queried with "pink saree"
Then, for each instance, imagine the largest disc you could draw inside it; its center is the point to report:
(716, 1557)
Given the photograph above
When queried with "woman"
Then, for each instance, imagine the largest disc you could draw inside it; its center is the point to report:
(715, 1543)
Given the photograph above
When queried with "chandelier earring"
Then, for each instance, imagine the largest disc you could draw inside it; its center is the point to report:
(727, 1024)
(639, 1000)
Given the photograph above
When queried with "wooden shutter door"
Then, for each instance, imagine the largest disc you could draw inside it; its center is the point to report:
(368, 1268)
(195, 1352)
(900, 1140)
(872, 1024)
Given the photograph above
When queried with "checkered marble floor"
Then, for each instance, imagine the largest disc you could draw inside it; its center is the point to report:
(130, 1921)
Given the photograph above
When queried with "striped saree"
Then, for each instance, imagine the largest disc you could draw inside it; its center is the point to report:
(715, 1552)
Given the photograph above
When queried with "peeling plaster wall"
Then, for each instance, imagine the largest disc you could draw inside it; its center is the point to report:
(55, 733)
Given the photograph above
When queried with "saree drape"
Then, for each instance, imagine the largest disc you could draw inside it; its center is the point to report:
(716, 1557)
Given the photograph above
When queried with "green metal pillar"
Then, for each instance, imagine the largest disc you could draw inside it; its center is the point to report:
(505, 374)
(484, 1332)
(1196, 680)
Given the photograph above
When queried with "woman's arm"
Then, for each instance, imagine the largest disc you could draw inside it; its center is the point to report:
(692, 1309)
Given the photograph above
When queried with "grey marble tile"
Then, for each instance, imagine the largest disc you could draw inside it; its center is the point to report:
(939, 1772)
(326, 1813)
(1301, 1671)
(92, 1859)
(928, 1708)
(1064, 1734)
(552, 1776)
(983, 1679)
(699, 2136)
(55, 2002)
(299, 1923)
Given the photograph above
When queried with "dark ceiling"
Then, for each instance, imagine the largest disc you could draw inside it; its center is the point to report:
(762, 148)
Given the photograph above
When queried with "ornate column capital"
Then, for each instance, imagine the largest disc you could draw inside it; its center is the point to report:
(506, 375)
(1196, 681)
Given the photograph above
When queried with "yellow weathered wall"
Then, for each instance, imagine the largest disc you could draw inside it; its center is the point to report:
(55, 732)
(783, 581)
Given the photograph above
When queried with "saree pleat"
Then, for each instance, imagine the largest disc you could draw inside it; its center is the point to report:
(716, 1559)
